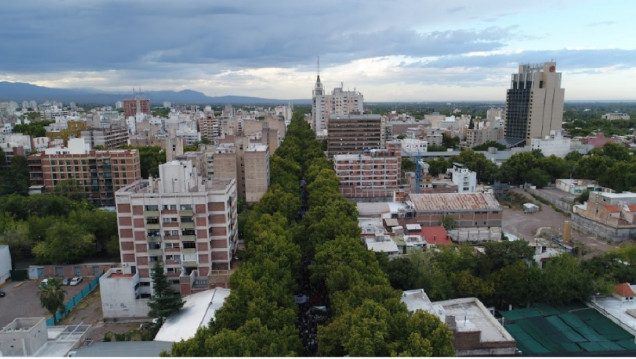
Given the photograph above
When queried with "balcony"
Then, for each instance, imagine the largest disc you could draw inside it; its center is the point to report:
(188, 238)
(172, 262)
(155, 252)
(188, 251)
(186, 225)
(186, 212)
(155, 226)
(154, 239)
(190, 264)
(154, 214)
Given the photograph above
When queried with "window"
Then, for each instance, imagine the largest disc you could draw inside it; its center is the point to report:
(77, 270)
(59, 271)
(96, 270)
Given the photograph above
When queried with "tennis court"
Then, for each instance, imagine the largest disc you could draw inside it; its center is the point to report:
(545, 329)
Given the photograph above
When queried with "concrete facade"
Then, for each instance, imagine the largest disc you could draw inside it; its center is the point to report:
(607, 215)
(476, 332)
(553, 144)
(121, 295)
(464, 178)
(23, 337)
(534, 102)
(5, 263)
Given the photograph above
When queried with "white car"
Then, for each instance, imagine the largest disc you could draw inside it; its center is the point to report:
(76, 280)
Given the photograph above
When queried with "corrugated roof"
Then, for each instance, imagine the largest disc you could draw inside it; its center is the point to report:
(454, 201)
(632, 207)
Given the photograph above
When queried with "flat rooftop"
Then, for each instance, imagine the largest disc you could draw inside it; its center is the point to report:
(471, 315)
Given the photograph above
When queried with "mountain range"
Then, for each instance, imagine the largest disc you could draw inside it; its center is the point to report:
(20, 91)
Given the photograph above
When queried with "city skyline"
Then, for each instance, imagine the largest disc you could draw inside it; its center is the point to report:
(397, 51)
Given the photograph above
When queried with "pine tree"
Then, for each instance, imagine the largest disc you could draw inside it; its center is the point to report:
(165, 300)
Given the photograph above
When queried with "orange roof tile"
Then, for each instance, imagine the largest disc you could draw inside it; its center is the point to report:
(625, 290)
(632, 207)
(436, 235)
(612, 208)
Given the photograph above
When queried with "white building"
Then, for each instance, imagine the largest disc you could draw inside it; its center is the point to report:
(5, 263)
(554, 144)
(339, 103)
(121, 295)
(465, 179)
(475, 329)
(412, 146)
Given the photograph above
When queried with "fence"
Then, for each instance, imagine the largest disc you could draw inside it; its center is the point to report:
(74, 301)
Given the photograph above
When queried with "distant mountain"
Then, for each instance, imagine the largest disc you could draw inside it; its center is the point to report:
(18, 91)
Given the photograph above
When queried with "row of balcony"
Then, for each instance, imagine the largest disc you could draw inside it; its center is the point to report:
(182, 225)
(184, 212)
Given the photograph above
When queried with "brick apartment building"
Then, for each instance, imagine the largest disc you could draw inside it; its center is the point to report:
(182, 220)
(99, 173)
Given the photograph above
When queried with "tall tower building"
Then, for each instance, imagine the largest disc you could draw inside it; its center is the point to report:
(318, 105)
(534, 103)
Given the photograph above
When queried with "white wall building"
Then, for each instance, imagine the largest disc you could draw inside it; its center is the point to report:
(5, 263)
(554, 144)
(465, 179)
(121, 295)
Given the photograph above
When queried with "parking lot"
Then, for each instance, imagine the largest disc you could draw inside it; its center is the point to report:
(22, 300)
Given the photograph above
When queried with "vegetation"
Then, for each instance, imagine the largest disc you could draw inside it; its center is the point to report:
(164, 300)
(51, 296)
(35, 129)
(57, 229)
(304, 219)
(150, 157)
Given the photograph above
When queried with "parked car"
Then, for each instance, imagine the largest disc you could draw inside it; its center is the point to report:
(76, 280)
(2, 294)
(66, 281)
(44, 281)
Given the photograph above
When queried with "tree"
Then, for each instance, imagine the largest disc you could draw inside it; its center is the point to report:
(52, 296)
(165, 300)
(408, 165)
(448, 222)
(65, 243)
(437, 166)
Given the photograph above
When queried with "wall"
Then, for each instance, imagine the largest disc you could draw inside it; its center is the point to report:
(68, 270)
(5, 263)
(23, 337)
(595, 228)
(118, 297)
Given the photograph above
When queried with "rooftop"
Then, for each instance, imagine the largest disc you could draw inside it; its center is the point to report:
(197, 311)
(454, 201)
(123, 349)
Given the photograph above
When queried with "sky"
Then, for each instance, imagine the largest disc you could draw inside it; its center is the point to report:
(389, 50)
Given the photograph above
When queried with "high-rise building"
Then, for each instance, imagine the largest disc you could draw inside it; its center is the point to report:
(339, 103)
(534, 103)
(135, 106)
(186, 222)
(248, 163)
(352, 134)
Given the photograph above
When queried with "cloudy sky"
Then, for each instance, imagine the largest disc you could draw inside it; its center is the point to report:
(390, 50)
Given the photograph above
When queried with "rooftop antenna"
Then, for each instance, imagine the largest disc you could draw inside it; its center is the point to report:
(318, 66)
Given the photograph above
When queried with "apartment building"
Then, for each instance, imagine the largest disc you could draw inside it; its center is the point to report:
(370, 174)
(246, 162)
(352, 134)
(109, 138)
(99, 173)
(339, 102)
(183, 220)
(136, 105)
